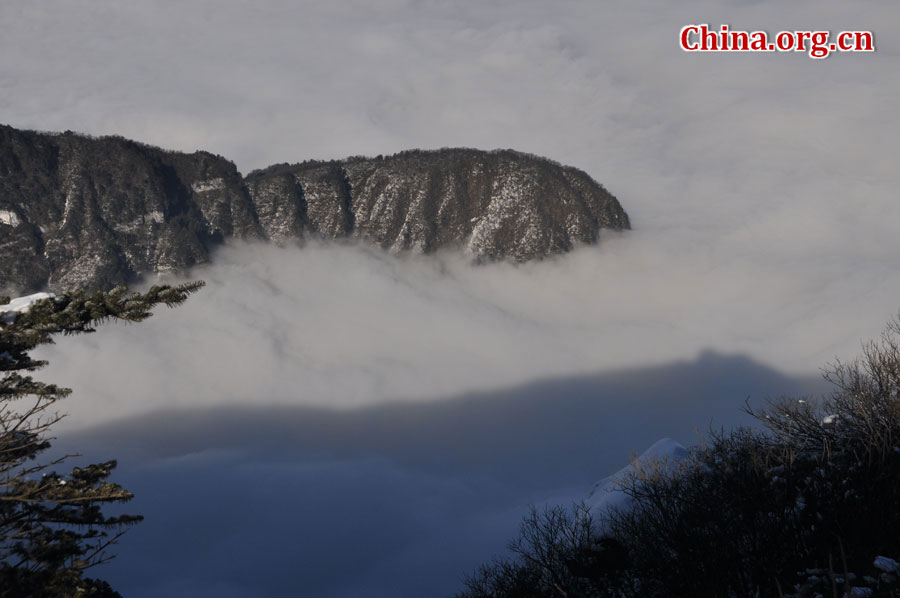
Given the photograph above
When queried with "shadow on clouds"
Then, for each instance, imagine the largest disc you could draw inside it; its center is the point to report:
(397, 499)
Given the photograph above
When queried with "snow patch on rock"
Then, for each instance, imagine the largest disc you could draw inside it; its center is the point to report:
(208, 185)
(9, 218)
(886, 564)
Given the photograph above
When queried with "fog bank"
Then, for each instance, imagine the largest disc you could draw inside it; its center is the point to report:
(345, 326)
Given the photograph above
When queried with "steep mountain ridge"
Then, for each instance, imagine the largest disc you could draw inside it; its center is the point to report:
(77, 211)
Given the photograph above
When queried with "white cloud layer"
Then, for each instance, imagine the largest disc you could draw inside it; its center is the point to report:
(761, 186)
(341, 326)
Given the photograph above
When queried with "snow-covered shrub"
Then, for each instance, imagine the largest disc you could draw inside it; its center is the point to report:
(802, 505)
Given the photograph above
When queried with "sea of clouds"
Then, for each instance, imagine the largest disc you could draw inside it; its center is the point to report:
(331, 404)
(346, 326)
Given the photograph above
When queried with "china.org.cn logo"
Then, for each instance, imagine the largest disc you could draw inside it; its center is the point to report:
(818, 44)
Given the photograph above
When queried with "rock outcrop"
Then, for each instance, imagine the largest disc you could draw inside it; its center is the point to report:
(77, 211)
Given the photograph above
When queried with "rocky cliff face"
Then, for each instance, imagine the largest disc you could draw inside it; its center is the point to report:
(89, 212)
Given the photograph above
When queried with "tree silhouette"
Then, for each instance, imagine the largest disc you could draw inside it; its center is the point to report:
(52, 527)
